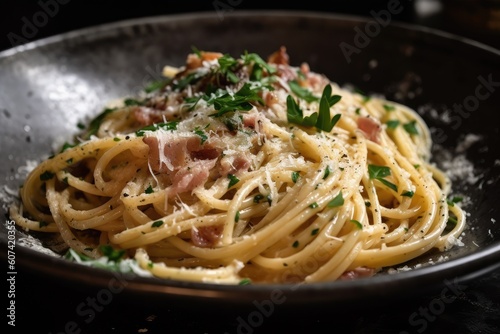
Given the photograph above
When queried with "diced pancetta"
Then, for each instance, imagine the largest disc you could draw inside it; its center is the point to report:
(370, 127)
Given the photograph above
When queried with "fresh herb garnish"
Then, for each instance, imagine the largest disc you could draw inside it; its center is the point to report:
(157, 223)
(200, 133)
(183, 82)
(47, 175)
(327, 172)
(232, 180)
(66, 146)
(295, 176)
(111, 253)
(392, 124)
(379, 173)
(302, 92)
(245, 281)
(455, 199)
(257, 198)
(154, 127)
(156, 85)
(411, 127)
(149, 190)
(96, 122)
(389, 107)
(408, 193)
(357, 224)
(336, 201)
(241, 100)
(322, 120)
(133, 102)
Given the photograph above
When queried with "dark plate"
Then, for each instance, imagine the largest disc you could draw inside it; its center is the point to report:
(47, 87)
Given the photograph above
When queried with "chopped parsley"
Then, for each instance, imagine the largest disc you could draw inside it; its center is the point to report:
(245, 281)
(327, 172)
(156, 85)
(379, 173)
(357, 224)
(133, 102)
(258, 198)
(154, 127)
(392, 124)
(47, 175)
(453, 200)
(411, 127)
(200, 133)
(66, 146)
(149, 190)
(389, 107)
(295, 176)
(301, 92)
(96, 122)
(336, 201)
(320, 120)
(157, 223)
(232, 180)
(240, 100)
(408, 193)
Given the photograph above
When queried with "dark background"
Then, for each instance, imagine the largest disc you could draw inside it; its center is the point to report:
(476, 310)
(23, 21)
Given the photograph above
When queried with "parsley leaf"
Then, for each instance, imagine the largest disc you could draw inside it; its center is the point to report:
(322, 120)
(295, 115)
(96, 123)
(154, 127)
(357, 224)
(111, 253)
(47, 175)
(302, 92)
(157, 223)
(411, 127)
(336, 201)
(241, 100)
(392, 124)
(200, 133)
(248, 58)
(379, 173)
(232, 180)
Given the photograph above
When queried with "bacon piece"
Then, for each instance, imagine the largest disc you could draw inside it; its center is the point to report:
(279, 57)
(184, 159)
(270, 98)
(370, 127)
(194, 61)
(234, 164)
(191, 176)
(176, 151)
(147, 116)
(206, 236)
(358, 272)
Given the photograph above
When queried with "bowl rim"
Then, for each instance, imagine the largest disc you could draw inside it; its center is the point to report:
(477, 263)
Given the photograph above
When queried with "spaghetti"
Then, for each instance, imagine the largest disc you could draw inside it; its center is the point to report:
(237, 169)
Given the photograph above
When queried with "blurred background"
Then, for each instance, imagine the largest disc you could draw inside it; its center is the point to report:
(24, 21)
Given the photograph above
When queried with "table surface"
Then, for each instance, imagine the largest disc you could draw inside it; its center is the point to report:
(49, 308)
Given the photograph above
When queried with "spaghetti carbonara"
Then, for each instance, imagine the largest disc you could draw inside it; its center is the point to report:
(240, 169)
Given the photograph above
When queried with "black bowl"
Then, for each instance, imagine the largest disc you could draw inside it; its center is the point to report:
(49, 86)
